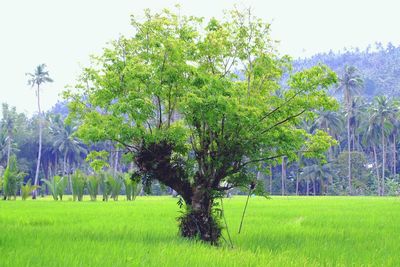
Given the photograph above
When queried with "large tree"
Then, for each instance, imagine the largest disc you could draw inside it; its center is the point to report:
(36, 79)
(197, 106)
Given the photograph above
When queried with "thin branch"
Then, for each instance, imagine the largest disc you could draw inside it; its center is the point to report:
(283, 121)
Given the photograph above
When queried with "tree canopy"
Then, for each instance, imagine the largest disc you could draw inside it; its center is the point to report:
(199, 105)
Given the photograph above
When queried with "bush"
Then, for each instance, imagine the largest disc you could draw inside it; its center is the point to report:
(27, 189)
(56, 186)
(116, 186)
(12, 179)
(105, 186)
(92, 182)
(78, 185)
(131, 183)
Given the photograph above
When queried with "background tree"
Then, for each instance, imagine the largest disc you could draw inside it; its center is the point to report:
(382, 114)
(37, 78)
(350, 83)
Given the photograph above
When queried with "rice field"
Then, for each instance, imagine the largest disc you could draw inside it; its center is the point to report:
(282, 231)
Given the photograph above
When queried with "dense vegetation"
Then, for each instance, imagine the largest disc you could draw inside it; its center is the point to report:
(378, 64)
(283, 231)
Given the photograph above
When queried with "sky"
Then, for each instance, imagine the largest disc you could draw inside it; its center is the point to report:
(64, 33)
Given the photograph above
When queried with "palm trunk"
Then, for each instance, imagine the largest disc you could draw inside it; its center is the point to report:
(34, 192)
(394, 155)
(8, 149)
(307, 187)
(116, 162)
(65, 163)
(314, 187)
(383, 159)
(377, 169)
(349, 150)
(297, 184)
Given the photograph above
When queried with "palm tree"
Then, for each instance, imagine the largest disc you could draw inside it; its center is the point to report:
(350, 83)
(371, 138)
(37, 78)
(382, 113)
(331, 122)
(66, 142)
(321, 172)
(8, 124)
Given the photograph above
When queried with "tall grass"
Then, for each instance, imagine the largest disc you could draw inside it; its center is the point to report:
(283, 231)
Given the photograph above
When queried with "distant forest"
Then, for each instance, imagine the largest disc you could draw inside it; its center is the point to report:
(379, 66)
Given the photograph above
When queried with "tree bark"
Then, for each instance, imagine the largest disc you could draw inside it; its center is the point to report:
(283, 177)
(270, 180)
(8, 149)
(383, 158)
(349, 150)
(394, 155)
(377, 169)
(116, 162)
(34, 192)
(198, 221)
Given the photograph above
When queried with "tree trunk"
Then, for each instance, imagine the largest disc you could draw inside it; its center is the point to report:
(34, 192)
(198, 221)
(116, 162)
(394, 155)
(328, 182)
(8, 149)
(349, 150)
(270, 180)
(308, 187)
(297, 183)
(314, 187)
(377, 169)
(383, 159)
(283, 177)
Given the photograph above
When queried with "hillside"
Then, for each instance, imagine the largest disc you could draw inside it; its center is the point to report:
(380, 66)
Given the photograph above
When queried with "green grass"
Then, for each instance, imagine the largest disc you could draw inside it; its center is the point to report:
(284, 231)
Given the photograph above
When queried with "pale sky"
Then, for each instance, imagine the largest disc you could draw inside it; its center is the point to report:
(63, 33)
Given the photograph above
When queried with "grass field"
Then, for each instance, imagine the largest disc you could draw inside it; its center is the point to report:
(283, 231)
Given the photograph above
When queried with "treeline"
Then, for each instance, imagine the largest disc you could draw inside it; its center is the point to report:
(68, 166)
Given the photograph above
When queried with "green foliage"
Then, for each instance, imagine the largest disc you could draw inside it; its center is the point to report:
(27, 189)
(92, 183)
(97, 160)
(105, 186)
(131, 182)
(393, 186)
(56, 186)
(12, 179)
(78, 185)
(115, 186)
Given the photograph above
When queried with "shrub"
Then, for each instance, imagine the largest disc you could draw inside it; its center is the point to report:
(27, 189)
(105, 186)
(116, 186)
(92, 182)
(78, 185)
(12, 179)
(56, 186)
(131, 183)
